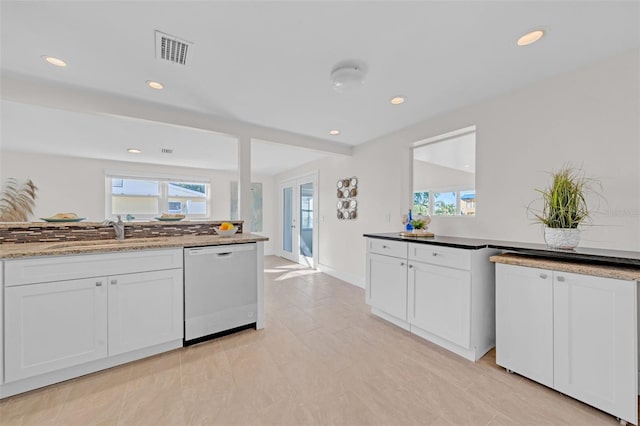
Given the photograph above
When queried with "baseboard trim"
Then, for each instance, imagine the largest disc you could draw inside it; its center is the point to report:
(346, 277)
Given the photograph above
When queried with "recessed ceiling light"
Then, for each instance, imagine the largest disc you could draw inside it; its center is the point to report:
(54, 61)
(530, 37)
(134, 151)
(155, 85)
(397, 100)
(334, 132)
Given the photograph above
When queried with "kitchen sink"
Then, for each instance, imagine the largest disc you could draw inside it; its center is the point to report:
(106, 243)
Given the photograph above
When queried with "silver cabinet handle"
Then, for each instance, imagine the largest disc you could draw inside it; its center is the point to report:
(410, 266)
(401, 263)
(543, 276)
(98, 283)
(561, 278)
(114, 282)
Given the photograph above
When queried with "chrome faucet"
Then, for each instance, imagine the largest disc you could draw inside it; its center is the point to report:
(117, 226)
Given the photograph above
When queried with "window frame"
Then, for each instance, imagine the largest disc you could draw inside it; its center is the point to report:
(163, 193)
(455, 188)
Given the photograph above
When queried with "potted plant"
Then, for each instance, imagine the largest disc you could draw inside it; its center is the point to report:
(565, 207)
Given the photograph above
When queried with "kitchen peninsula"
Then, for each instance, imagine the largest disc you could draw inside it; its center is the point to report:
(76, 300)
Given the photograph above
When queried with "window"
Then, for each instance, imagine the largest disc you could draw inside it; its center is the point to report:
(445, 203)
(444, 174)
(147, 197)
(256, 206)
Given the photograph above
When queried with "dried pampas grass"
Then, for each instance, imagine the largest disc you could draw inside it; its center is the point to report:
(17, 200)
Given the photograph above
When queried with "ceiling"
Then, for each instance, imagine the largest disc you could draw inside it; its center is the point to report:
(100, 136)
(264, 66)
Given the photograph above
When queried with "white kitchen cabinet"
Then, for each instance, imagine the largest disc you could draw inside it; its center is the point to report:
(524, 321)
(595, 358)
(96, 311)
(440, 301)
(387, 284)
(55, 325)
(145, 309)
(574, 332)
(1, 322)
(442, 294)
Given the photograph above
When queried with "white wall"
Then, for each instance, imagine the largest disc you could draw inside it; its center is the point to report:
(68, 184)
(590, 118)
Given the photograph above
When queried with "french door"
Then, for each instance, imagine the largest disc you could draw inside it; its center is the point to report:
(299, 219)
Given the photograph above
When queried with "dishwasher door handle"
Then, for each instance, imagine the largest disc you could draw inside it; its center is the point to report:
(219, 250)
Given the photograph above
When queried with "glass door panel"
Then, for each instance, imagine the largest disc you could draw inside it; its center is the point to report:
(288, 224)
(306, 222)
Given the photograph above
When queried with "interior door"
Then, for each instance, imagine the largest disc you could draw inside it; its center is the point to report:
(299, 220)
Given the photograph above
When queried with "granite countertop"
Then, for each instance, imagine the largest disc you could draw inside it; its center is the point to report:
(457, 242)
(619, 272)
(582, 254)
(60, 248)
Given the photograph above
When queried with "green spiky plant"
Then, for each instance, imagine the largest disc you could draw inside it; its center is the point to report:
(17, 200)
(565, 204)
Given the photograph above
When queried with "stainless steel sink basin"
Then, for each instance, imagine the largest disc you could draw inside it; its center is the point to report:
(131, 242)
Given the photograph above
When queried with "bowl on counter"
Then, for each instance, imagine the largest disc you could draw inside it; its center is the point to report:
(227, 232)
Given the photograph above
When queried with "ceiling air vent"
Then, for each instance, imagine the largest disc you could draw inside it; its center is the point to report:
(172, 49)
(167, 151)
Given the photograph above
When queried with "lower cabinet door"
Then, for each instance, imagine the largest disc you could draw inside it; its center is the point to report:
(51, 326)
(595, 344)
(145, 309)
(524, 321)
(387, 284)
(440, 301)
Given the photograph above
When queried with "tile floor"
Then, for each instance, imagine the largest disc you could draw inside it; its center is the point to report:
(322, 359)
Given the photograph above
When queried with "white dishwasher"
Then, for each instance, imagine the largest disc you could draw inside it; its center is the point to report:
(220, 290)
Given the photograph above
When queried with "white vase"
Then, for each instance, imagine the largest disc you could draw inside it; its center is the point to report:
(562, 238)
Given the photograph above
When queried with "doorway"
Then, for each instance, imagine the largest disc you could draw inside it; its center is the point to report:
(299, 220)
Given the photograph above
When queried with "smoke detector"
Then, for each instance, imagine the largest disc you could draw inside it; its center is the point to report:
(348, 76)
(173, 49)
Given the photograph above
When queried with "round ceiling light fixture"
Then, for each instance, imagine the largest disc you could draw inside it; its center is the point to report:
(531, 37)
(348, 76)
(134, 151)
(397, 100)
(334, 132)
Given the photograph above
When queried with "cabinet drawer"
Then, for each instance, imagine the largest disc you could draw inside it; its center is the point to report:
(47, 269)
(441, 256)
(387, 247)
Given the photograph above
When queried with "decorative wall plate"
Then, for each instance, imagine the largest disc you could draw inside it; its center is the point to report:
(347, 206)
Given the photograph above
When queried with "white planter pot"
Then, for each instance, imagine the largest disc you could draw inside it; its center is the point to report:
(562, 238)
